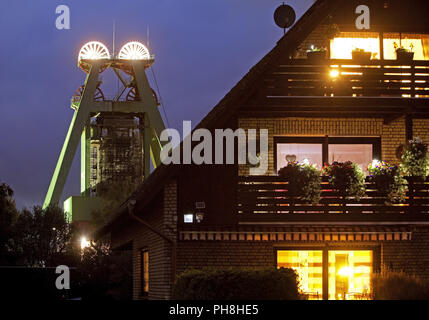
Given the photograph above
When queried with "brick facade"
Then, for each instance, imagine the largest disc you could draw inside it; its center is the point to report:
(392, 134)
(410, 256)
(421, 129)
(162, 215)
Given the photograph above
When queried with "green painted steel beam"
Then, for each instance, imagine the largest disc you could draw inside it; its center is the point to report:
(85, 160)
(120, 106)
(146, 146)
(151, 109)
(73, 137)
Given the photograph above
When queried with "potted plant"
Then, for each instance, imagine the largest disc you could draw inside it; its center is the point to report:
(415, 159)
(315, 54)
(303, 181)
(388, 181)
(360, 55)
(346, 178)
(404, 54)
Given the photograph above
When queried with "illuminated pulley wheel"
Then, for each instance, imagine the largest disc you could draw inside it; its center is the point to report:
(132, 95)
(98, 95)
(93, 50)
(133, 51)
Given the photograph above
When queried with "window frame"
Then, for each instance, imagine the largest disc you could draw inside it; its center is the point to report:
(376, 257)
(325, 141)
(143, 292)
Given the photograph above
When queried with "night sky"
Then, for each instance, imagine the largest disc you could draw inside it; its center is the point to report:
(202, 48)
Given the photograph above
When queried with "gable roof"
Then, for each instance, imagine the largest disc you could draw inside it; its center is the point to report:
(230, 103)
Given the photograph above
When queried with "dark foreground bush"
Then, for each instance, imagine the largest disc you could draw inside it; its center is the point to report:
(400, 286)
(237, 284)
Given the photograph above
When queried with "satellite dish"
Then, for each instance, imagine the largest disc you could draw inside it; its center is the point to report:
(284, 16)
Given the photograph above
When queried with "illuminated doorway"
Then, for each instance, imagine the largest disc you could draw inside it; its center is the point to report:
(350, 274)
(347, 277)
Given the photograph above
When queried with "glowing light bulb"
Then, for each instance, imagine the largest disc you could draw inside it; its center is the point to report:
(84, 243)
(345, 272)
(334, 73)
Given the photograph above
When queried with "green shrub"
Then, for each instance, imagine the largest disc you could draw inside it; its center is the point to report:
(399, 286)
(388, 181)
(237, 284)
(415, 159)
(303, 181)
(346, 178)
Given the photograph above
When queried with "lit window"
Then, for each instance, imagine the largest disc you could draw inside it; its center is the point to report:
(361, 154)
(349, 272)
(188, 218)
(416, 46)
(301, 152)
(341, 48)
(309, 267)
(144, 271)
(317, 150)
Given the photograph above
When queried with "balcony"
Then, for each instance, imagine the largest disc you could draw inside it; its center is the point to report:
(266, 198)
(385, 89)
(328, 78)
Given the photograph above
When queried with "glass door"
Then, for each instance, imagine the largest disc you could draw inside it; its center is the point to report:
(350, 274)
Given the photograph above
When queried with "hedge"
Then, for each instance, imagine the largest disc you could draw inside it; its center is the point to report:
(237, 284)
(390, 285)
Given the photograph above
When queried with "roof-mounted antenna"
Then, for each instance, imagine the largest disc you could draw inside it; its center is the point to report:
(147, 37)
(114, 35)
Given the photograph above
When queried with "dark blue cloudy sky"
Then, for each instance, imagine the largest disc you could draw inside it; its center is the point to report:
(202, 48)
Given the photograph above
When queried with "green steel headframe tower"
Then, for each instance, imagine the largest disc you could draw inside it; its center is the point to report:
(118, 136)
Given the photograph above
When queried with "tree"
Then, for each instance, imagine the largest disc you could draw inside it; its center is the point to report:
(43, 236)
(104, 274)
(8, 217)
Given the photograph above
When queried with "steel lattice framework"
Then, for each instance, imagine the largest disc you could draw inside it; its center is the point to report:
(119, 136)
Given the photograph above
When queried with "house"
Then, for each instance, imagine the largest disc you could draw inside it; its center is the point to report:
(323, 110)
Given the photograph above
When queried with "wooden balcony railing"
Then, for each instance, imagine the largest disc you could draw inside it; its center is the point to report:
(269, 195)
(385, 78)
